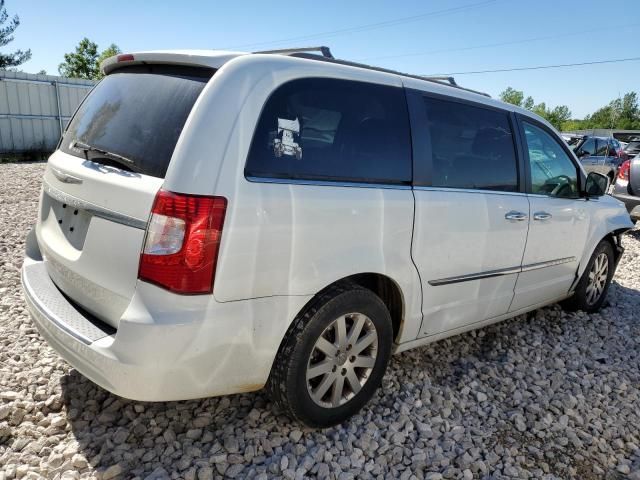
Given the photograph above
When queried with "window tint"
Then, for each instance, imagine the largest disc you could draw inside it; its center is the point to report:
(472, 147)
(588, 147)
(602, 147)
(614, 146)
(137, 112)
(327, 129)
(552, 171)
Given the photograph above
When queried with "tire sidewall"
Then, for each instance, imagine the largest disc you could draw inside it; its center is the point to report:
(351, 301)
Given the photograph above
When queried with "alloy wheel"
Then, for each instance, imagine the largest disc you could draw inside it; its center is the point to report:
(597, 278)
(342, 360)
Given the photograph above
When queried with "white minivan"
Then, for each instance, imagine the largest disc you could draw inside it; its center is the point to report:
(219, 222)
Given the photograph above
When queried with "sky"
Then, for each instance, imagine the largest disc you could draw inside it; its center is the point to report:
(420, 37)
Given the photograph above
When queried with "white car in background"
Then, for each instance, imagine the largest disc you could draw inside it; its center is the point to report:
(180, 252)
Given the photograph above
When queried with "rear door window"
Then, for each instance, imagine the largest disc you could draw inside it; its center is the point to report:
(333, 130)
(138, 113)
(472, 147)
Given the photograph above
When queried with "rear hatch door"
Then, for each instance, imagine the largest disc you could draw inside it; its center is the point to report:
(99, 186)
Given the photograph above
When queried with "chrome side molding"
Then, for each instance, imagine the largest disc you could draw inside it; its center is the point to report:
(92, 209)
(549, 263)
(497, 273)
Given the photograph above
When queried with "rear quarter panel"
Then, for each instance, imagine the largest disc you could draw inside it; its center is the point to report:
(286, 239)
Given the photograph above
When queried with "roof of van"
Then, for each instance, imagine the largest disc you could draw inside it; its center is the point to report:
(217, 58)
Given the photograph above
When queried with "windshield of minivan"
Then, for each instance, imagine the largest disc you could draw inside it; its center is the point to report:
(137, 113)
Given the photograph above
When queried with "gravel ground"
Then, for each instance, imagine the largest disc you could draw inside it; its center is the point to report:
(549, 394)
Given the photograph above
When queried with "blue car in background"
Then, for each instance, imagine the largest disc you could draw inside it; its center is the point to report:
(600, 154)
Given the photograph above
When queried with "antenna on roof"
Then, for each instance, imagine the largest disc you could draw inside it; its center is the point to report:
(324, 51)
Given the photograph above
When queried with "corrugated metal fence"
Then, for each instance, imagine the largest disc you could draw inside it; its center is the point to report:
(35, 109)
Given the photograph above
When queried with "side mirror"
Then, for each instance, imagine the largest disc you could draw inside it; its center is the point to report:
(596, 185)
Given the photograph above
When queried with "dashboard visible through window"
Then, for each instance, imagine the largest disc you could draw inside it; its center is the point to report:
(552, 171)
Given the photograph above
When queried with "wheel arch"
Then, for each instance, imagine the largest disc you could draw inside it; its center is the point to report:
(387, 289)
(614, 237)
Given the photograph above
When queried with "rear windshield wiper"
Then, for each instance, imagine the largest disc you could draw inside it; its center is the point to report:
(119, 159)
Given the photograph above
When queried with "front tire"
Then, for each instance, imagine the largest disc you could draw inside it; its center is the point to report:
(334, 356)
(593, 286)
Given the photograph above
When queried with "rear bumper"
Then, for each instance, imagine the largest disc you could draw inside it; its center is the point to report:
(166, 347)
(631, 202)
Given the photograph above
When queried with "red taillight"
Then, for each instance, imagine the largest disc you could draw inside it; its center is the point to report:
(623, 171)
(125, 57)
(182, 242)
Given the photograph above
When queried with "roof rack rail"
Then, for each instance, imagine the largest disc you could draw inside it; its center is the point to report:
(450, 80)
(326, 53)
(326, 56)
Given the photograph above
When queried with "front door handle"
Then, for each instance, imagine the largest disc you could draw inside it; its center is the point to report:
(542, 216)
(516, 216)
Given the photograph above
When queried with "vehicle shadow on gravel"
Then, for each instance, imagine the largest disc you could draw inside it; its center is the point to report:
(164, 437)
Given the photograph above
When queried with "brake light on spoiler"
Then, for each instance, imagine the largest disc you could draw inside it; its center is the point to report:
(181, 245)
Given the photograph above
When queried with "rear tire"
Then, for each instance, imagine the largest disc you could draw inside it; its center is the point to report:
(333, 357)
(593, 286)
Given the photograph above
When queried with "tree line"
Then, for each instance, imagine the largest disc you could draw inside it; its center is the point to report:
(84, 62)
(620, 113)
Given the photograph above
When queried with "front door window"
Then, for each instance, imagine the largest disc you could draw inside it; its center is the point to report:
(552, 171)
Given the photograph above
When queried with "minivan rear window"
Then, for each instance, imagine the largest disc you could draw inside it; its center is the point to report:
(138, 113)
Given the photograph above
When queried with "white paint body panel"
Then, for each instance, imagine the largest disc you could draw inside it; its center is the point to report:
(98, 268)
(283, 243)
(562, 236)
(298, 239)
(460, 233)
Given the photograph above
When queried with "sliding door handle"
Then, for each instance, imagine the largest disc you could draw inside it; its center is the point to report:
(516, 216)
(542, 216)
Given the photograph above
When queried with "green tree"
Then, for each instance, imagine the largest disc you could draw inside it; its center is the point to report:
(85, 61)
(6, 36)
(628, 112)
(573, 124)
(110, 51)
(510, 95)
(622, 113)
(528, 103)
(540, 109)
(82, 62)
(557, 116)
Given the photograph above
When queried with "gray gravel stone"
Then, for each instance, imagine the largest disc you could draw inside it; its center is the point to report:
(550, 394)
